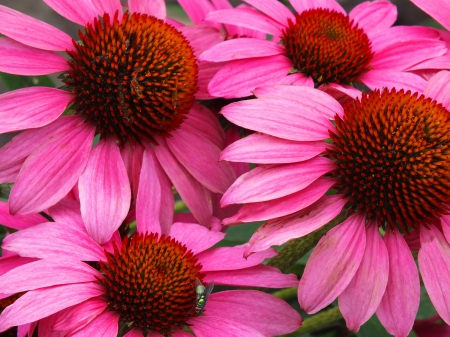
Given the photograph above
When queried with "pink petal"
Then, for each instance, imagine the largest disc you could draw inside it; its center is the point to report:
(239, 78)
(264, 115)
(282, 206)
(207, 326)
(50, 172)
(18, 221)
(274, 9)
(281, 230)
(400, 302)
(341, 93)
(106, 324)
(437, 9)
(374, 17)
(46, 273)
(248, 18)
(263, 312)
(206, 71)
(434, 257)
(8, 263)
(196, 10)
(264, 149)
(196, 238)
(149, 197)
(138, 333)
(304, 5)
(67, 211)
(31, 107)
(155, 8)
(201, 37)
(393, 79)
(196, 197)
(19, 59)
(298, 79)
(445, 223)
(231, 258)
(359, 301)
(332, 264)
(268, 183)
(108, 6)
(37, 304)
(80, 11)
(437, 88)
(200, 157)
(307, 98)
(105, 193)
(54, 240)
(32, 32)
(241, 48)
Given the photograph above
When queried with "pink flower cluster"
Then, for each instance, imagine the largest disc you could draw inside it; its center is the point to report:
(298, 116)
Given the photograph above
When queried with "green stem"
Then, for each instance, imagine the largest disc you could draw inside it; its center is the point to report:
(286, 294)
(317, 322)
(297, 248)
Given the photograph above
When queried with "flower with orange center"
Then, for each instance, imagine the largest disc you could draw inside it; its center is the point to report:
(387, 165)
(321, 46)
(142, 285)
(131, 79)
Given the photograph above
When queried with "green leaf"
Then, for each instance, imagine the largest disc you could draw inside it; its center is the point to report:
(238, 235)
(13, 82)
(374, 328)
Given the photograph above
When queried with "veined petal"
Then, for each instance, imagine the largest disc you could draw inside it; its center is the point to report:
(264, 149)
(375, 16)
(18, 221)
(17, 58)
(31, 107)
(207, 326)
(279, 118)
(400, 302)
(155, 8)
(397, 34)
(281, 230)
(394, 79)
(268, 183)
(332, 264)
(67, 211)
(81, 12)
(32, 32)
(359, 301)
(274, 9)
(201, 37)
(8, 263)
(434, 257)
(107, 323)
(238, 78)
(445, 223)
(196, 10)
(109, 6)
(105, 193)
(196, 238)
(304, 5)
(437, 9)
(51, 171)
(437, 88)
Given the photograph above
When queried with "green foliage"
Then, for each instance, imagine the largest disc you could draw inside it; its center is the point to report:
(13, 82)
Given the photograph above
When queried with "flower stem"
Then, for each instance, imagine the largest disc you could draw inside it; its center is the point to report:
(286, 294)
(318, 321)
(295, 249)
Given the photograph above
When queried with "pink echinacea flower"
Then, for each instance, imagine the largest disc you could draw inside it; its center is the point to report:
(388, 164)
(132, 79)
(143, 284)
(321, 46)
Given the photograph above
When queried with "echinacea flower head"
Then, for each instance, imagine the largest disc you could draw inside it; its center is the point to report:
(144, 284)
(383, 159)
(321, 45)
(131, 80)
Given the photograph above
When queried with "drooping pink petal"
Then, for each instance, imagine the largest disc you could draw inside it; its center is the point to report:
(437, 88)
(196, 10)
(201, 37)
(445, 223)
(37, 304)
(81, 12)
(239, 78)
(106, 324)
(46, 273)
(108, 6)
(374, 16)
(393, 79)
(283, 206)
(167, 198)
(18, 221)
(148, 200)
(51, 171)
(264, 149)
(8, 263)
(105, 193)
(31, 107)
(274, 9)
(138, 333)
(304, 5)
(194, 237)
(241, 48)
(231, 258)
(256, 276)
(359, 301)
(264, 115)
(434, 264)
(269, 183)
(341, 92)
(332, 264)
(155, 8)
(281, 230)
(17, 58)
(248, 18)
(239, 306)
(200, 157)
(196, 197)
(400, 302)
(206, 71)
(32, 32)
(437, 9)
(136, 166)
(298, 79)
(207, 326)
(54, 240)
(67, 211)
